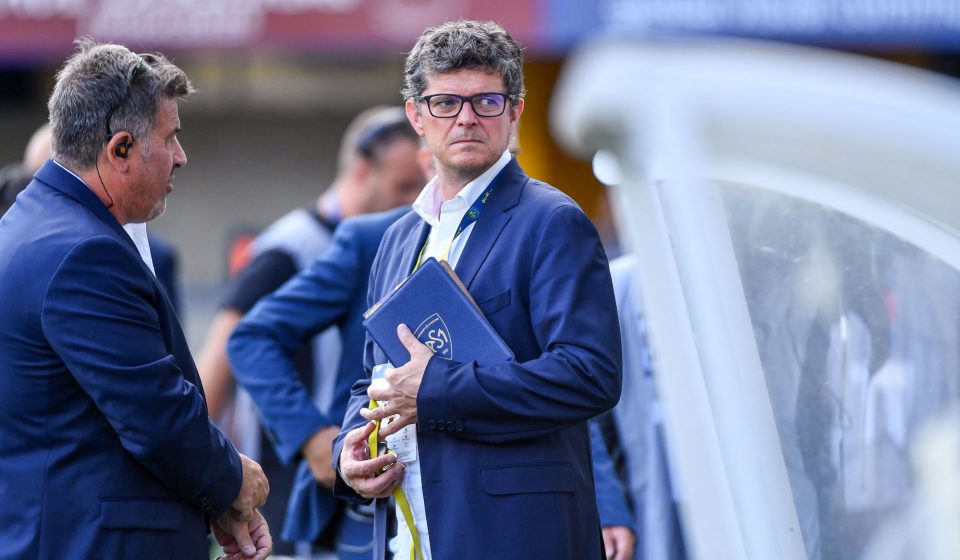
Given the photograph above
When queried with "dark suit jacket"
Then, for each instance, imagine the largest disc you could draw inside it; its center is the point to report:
(331, 291)
(504, 448)
(106, 450)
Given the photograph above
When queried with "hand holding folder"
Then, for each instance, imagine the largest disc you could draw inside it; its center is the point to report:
(438, 309)
(442, 315)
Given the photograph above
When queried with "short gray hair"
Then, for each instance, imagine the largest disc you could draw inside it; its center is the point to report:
(464, 44)
(102, 82)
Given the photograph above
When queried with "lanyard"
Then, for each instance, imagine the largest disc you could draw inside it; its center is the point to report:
(416, 553)
(471, 215)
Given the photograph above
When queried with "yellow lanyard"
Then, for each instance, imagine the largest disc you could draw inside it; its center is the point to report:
(398, 495)
(469, 217)
(443, 257)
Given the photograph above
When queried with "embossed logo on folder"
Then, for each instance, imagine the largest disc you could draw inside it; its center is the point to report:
(435, 335)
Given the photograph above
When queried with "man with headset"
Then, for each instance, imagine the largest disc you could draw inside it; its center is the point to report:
(106, 449)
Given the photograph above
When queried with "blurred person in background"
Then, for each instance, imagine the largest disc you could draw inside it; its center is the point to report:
(377, 170)
(16, 176)
(633, 432)
(106, 448)
(497, 457)
(331, 292)
(616, 516)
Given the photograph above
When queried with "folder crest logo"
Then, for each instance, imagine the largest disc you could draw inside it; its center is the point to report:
(435, 335)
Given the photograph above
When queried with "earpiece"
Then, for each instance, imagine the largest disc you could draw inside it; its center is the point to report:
(122, 149)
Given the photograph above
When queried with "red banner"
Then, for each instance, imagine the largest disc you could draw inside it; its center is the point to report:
(39, 29)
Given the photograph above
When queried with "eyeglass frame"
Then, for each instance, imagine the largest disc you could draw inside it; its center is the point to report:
(139, 67)
(467, 99)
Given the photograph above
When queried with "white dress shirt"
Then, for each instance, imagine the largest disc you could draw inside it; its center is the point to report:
(444, 218)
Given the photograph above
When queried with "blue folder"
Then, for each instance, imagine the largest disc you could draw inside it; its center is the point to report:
(439, 310)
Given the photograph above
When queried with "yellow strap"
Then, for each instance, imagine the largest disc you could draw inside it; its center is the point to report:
(444, 257)
(398, 495)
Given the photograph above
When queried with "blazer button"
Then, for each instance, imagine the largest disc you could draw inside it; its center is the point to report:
(450, 425)
(459, 426)
(440, 426)
(431, 424)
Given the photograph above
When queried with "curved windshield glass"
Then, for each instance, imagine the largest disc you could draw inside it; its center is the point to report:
(858, 333)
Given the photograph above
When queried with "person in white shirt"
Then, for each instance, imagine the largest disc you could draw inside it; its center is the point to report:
(493, 460)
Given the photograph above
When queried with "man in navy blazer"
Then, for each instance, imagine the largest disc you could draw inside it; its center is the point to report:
(332, 291)
(106, 450)
(494, 460)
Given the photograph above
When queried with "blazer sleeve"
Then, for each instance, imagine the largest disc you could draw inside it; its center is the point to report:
(99, 314)
(358, 394)
(577, 375)
(263, 346)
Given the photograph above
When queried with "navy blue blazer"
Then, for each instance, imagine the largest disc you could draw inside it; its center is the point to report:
(505, 448)
(331, 291)
(106, 450)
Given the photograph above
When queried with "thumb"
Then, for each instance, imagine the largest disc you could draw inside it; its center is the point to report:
(409, 341)
(242, 535)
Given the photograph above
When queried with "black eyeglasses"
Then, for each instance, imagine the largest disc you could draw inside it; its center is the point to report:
(449, 105)
(140, 67)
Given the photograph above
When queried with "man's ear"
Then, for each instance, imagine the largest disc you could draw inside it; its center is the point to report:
(361, 168)
(517, 109)
(413, 115)
(118, 148)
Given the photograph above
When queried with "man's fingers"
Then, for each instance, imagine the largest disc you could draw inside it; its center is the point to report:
(260, 535)
(245, 543)
(410, 342)
(619, 542)
(383, 485)
(390, 479)
(234, 535)
(358, 435)
(368, 468)
(373, 478)
(381, 390)
(400, 406)
(608, 544)
(378, 413)
(402, 421)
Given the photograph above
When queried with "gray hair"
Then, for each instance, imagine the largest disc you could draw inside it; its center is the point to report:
(102, 82)
(464, 44)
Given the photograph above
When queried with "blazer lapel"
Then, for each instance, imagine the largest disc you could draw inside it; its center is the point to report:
(56, 177)
(505, 195)
(411, 251)
(60, 179)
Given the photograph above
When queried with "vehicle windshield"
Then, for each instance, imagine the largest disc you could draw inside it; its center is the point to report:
(858, 333)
